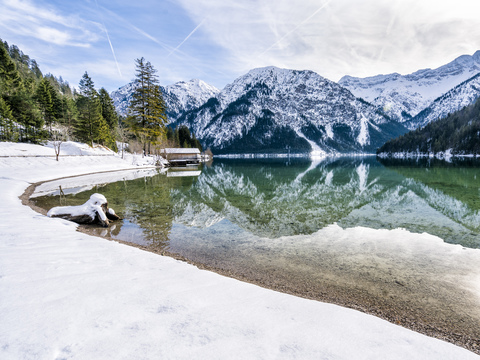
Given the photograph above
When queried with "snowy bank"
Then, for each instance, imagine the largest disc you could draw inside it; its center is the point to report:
(68, 295)
(441, 155)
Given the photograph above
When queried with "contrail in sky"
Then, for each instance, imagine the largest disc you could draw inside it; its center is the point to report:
(148, 36)
(193, 61)
(111, 46)
(188, 36)
(113, 51)
(296, 27)
(141, 32)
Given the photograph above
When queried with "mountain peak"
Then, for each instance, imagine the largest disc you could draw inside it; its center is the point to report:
(180, 96)
(193, 87)
(273, 78)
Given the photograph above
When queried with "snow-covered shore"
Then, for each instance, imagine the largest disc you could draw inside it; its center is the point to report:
(442, 155)
(67, 295)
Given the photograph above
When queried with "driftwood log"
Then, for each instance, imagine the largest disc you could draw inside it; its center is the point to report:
(94, 211)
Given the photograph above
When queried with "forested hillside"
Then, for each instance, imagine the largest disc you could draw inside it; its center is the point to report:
(35, 107)
(458, 132)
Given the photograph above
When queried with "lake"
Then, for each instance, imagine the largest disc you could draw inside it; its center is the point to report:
(397, 239)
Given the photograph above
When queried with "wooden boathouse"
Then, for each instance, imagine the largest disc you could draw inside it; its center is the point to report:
(181, 156)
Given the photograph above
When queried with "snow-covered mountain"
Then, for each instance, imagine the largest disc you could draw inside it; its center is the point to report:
(460, 96)
(179, 97)
(404, 96)
(122, 97)
(273, 110)
(184, 96)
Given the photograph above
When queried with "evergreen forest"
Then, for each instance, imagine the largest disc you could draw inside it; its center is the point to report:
(37, 107)
(458, 132)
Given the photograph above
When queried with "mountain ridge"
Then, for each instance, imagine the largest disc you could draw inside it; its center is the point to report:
(454, 100)
(271, 109)
(404, 96)
(456, 134)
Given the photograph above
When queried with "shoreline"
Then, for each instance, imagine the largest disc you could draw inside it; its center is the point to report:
(341, 296)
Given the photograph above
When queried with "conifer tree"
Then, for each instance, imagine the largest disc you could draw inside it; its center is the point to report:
(86, 86)
(90, 127)
(108, 109)
(68, 111)
(47, 98)
(8, 131)
(35, 69)
(19, 94)
(9, 76)
(147, 117)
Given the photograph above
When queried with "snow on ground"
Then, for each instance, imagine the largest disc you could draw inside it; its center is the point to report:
(67, 295)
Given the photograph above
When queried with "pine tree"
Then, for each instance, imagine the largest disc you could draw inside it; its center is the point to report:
(108, 109)
(156, 116)
(68, 112)
(86, 86)
(196, 143)
(9, 76)
(90, 127)
(147, 118)
(18, 93)
(8, 132)
(35, 69)
(48, 99)
(184, 136)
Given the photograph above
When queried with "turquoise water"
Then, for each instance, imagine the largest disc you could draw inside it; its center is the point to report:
(274, 198)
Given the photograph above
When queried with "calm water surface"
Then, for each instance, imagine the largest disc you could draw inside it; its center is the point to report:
(401, 238)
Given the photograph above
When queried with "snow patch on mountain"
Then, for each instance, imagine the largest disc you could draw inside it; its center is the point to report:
(316, 150)
(363, 137)
(329, 131)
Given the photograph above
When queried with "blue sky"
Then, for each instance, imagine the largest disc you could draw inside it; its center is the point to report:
(219, 40)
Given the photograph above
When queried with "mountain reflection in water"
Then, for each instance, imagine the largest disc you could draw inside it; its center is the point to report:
(274, 198)
(270, 199)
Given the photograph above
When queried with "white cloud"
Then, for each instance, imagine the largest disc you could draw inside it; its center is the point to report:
(357, 37)
(26, 18)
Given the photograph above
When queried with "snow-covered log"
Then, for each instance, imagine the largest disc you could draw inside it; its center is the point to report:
(94, 211)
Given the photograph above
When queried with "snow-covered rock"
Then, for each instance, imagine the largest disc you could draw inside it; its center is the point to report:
(95, 210)
(404, 96)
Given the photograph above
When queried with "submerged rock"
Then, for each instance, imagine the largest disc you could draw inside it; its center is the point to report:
(94, 211)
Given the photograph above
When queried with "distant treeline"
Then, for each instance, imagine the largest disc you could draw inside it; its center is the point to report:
(459, 131)
(181, 137)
